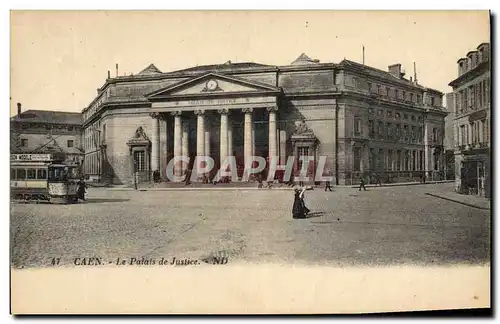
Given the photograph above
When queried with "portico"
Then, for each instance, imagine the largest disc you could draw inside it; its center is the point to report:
(214, 115)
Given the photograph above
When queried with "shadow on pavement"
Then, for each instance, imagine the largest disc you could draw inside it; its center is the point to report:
(315, 214)
(103, 200)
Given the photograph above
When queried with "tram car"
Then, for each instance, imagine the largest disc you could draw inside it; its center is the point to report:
(43, 178)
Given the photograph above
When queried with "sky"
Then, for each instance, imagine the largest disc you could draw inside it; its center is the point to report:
(59, 58)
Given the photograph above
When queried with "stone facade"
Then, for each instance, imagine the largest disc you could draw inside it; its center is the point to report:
(472, 122)
(347, 112)
(38, 131)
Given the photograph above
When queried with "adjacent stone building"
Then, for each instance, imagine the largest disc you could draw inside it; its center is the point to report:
(41, 131)
(472, 122)
(362, 119)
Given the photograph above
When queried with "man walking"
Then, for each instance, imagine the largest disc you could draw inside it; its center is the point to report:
(362, 184)
(328, 184)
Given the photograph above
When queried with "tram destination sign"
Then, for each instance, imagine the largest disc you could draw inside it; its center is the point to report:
(31, 157)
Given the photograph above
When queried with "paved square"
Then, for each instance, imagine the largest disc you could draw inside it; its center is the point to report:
(382, 226)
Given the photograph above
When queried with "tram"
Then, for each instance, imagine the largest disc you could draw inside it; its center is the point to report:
(43, 178)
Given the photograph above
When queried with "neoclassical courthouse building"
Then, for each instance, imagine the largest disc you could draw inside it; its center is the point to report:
(362, 119)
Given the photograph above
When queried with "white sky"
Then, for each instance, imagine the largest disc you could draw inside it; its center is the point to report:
(59, 59)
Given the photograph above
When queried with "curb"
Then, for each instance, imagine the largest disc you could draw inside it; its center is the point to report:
(198, 189)
(457, 201)
(401, 184)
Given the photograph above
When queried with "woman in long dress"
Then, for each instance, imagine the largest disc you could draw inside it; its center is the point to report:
(298, 206)
(299, 209)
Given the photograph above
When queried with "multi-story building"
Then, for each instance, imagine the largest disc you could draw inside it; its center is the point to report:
(361, 119)
(449, 139)
(41, 131)
(472, 121)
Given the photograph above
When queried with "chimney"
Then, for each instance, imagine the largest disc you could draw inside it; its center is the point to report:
(18, 110)
(395, 70)
(411, 79)
(109, 74)
(117, 69)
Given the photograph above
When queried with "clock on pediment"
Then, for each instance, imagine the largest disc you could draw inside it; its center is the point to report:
(212, 85)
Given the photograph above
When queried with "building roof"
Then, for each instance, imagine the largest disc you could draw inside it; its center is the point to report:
(222, 67)
(482, 44)
(150, 70)
(50, 117)
(304, 59)
(378, 73)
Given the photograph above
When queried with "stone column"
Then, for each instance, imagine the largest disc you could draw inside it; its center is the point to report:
(155, 142)
(177, 140)
(247, 135)
(200, 132)
(283, 147)
(223, 135)
(272, 131)
(229, 137)
(185, 144)
(427, 153)
(253, 137)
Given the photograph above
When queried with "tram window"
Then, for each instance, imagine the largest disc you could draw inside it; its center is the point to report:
(31, 174)
(12, 174)
(58, 174)
(21, 174)
(41, 174)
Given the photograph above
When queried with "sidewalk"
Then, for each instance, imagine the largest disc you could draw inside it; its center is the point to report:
(398, 184)
(180, 186)
(467, 200)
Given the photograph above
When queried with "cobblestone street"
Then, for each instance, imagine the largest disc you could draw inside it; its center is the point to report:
(382, 226)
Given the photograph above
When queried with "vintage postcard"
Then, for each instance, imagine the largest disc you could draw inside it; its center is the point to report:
(249, 162)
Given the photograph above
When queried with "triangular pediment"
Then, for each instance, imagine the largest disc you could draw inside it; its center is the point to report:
(213, 83)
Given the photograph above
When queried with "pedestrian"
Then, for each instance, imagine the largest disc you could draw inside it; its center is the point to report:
(377, 179)
(81, 187)
(187, 180)
(328, 183)
(299, 209)
(362, 184)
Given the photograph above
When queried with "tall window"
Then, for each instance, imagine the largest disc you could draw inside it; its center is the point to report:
(357, 125)
(389, 160)
(369, 87)
(432, 101)
(413, 130)
(411, 97)
(396, 94)
(70, 143)
(104, 133)
(405, 132)
(472, 97)
(379, 89)
(398, 131)
(139, 159)
(381, 129)
(421, 161)
(372, 159)
(381, 159)
(371, 127)
(486, 132)
(389, 131)
(24, 142)
(357, 159)
(388, 91)
(420, 134)
(434, 135)
(407, 160)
